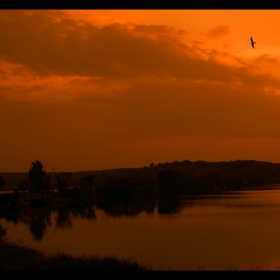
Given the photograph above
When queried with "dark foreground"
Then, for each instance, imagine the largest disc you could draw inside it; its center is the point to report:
(18, 257)
(13, 257)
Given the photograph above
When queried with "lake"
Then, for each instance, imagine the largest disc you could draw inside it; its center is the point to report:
(236, 230)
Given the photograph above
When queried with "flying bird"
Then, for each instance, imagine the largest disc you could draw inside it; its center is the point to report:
(252, 42)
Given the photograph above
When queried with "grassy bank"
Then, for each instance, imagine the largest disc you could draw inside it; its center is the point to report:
(17, 257)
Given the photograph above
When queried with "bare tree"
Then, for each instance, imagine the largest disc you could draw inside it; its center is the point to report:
(61, 179)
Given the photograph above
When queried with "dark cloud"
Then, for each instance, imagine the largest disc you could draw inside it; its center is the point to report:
(52, 46)
(130, 85)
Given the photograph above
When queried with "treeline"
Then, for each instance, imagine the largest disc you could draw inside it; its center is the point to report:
(38, 179)
(126, 191)
(184, 177)
(250, 171)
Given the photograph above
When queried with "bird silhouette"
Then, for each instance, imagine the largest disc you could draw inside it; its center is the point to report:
(252, 42)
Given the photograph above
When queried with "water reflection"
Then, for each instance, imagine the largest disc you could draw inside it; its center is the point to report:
(39, 218)
(38, 222)
(66, 214)
(237, 229)
(127, 208)
(168, 204)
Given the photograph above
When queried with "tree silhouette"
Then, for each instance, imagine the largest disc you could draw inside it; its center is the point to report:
(61, 179)
(24, 185)
(3, 231)
(87, 182)
(168, 181)
(38, 178)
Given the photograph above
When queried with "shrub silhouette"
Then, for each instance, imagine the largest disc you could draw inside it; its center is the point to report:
(24, 185)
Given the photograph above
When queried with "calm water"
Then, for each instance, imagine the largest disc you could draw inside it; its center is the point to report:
(238, 230)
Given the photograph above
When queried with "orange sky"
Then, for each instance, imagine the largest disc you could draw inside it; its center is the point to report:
(87, 90)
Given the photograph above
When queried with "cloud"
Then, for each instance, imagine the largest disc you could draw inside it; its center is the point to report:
(265, 58)
(49, 45)
(218, 31)
(127, 81)
(159, 31)
(84, 91)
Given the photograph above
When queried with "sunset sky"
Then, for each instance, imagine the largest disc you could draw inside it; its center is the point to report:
(100, 89)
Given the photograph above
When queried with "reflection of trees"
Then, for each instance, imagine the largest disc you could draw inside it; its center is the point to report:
(67, 213)
(127, 208)
(148, 206)
(119, 209)
(90, 214)
(83, 211)
(39, 220)
(2, 231)
(128, 189)
(168, 204)
(63, 219)
(11, 215)
(128, 196)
